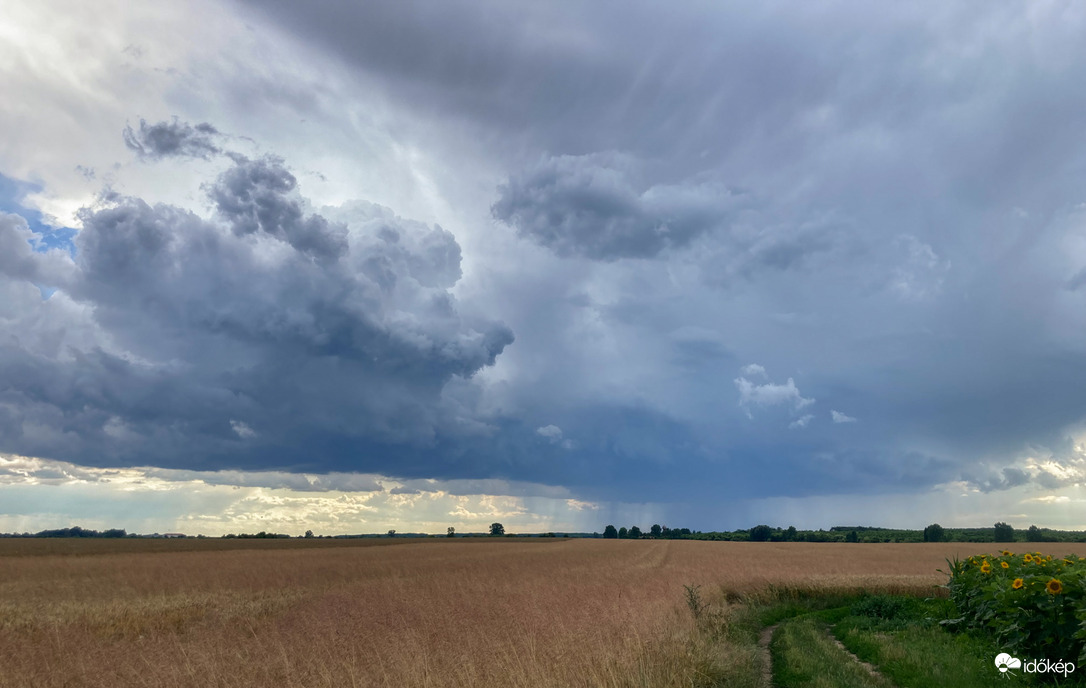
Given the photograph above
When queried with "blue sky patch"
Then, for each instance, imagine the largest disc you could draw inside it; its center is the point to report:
(12, 191)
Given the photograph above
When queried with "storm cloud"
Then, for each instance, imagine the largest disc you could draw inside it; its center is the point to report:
(266, 330)
(591, 206)
(824, 251)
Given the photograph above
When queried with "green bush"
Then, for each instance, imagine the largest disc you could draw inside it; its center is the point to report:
(1033, 604)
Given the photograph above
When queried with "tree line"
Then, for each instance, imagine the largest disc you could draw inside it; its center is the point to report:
(73, 532)
(1000, 532)
(634, 532)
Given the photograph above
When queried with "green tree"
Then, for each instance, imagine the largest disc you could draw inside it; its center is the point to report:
(635, 533)
(497, 529)
(934, 533)
(623, 533)
(656, 530)
(1004, 532)
(610, 533)
(852, 536)
(760, 533)
(308, 534)
(1034, 534)
(790, 534)
(392, 532)
(452, 532)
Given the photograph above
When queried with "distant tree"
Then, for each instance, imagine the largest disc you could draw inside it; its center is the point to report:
(610, 533)
(852, 536)
(309, 534)
(656, 531)
(635, 533)
(1034, 534)
(790, 534)
(452, 532)
(1004, 532)
(497, 529)
(391, 532)
(934, 533)
(760, 533)
(623, 533)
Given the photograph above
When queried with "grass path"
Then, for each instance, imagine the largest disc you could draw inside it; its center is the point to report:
(806, 656)
(871, 669)
(764, 638)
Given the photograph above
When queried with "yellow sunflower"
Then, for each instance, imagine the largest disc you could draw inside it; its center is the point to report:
(1018, 583)
(1008, 553)
(985, 568)
(1054, 587)
(1028, 558)
(1004, 564)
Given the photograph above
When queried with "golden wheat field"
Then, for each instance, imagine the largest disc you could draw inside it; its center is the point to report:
(398, 612)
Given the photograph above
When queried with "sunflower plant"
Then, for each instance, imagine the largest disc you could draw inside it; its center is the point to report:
(1033, 603)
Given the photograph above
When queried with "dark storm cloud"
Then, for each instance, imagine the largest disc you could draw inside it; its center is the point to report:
(696, 81)
(255, 196)
(172, 139)
(908, 248)
(777, 215)
(269, 336)
(592, 206)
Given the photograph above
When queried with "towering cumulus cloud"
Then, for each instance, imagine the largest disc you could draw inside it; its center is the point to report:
(266, 334)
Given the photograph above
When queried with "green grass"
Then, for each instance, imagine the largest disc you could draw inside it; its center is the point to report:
(917, 656)
(805, 656)
(900, 635)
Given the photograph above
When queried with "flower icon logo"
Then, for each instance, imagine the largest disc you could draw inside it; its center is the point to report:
(1004, 662)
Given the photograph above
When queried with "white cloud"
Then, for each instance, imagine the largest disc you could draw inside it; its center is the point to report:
(770, 394)
(551, 432)
(243, 431)
(839, 417)
(40, 493)
(921, 272)
(800, 422)
(752, 370)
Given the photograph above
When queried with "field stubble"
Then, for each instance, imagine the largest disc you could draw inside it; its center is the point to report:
(420, 613)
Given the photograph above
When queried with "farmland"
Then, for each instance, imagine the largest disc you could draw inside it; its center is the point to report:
(401, 612)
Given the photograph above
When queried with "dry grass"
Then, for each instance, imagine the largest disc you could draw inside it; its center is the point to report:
(422, 613)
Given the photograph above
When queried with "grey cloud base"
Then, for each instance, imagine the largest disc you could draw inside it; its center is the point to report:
(269, 335)
(592, 206)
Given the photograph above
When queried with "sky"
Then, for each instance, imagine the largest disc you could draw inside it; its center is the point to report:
(353, 267)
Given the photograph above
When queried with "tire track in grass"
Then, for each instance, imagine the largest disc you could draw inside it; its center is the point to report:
(808, 656)
(871, 668)
(767, 659)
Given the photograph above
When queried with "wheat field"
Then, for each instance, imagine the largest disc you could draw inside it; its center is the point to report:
(398, 612)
